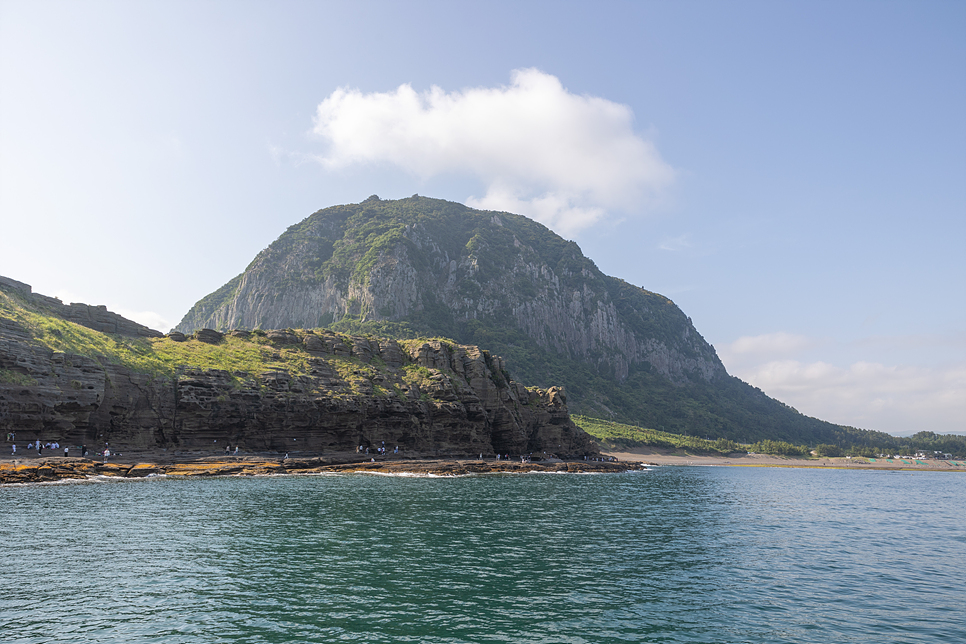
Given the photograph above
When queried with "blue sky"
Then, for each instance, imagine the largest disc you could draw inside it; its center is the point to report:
(792, 174)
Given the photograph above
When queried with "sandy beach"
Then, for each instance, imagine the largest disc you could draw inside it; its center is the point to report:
(670, 457)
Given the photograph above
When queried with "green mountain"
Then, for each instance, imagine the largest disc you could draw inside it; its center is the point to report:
(427, 267)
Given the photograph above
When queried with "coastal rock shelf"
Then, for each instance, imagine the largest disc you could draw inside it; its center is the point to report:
(59, 469)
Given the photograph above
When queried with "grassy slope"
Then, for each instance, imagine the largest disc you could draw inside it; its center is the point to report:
(163, 358)
(621, 436)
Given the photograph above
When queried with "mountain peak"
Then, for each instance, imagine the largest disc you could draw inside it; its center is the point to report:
(420, 266)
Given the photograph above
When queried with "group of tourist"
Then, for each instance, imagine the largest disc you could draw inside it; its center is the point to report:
(40, 446)
(381, 450)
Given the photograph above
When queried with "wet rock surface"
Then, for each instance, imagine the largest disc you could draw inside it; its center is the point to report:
(60, 469)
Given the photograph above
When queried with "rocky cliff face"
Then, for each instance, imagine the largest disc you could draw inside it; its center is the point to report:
(428, 267)
(430, 397)
(449, 269)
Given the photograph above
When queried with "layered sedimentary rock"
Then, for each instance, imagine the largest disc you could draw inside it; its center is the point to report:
(333, 393)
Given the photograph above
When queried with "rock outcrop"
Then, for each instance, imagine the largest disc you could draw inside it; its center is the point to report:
(58, 469)
(332, 392)
(451, 269)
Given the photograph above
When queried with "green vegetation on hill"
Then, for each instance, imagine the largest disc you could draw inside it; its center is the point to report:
(57, 334)
(242, 358)
(865, 443)
(621, 436)
(618, 435)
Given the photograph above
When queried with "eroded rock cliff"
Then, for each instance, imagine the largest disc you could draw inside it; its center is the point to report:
(286, 391)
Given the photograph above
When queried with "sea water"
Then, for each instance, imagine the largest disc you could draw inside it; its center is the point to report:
(670, 555)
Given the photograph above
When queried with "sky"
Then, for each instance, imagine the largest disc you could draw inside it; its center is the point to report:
(791, 174)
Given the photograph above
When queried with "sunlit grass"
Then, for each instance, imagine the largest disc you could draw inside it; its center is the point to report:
(621, 435)
(243, 358)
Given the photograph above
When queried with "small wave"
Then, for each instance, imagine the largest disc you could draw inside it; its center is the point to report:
(86, 480)
(38, 483)
(419, 475)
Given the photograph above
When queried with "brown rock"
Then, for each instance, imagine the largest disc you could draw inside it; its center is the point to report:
(209, 336)
(283, 337)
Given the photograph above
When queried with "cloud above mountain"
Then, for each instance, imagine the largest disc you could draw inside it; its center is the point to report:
(564, 159)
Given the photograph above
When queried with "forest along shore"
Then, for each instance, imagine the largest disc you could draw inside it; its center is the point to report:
(39, 470)
(668, 457)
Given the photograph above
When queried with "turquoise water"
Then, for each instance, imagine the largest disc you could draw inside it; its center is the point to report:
(671, 555)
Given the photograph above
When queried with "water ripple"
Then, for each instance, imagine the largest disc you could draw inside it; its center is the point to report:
(676, 555)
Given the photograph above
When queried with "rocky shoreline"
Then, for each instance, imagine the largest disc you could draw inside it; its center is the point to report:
(43, 470)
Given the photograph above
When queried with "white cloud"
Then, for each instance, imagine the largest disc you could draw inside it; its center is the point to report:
(149, 319)
(675, 244)
(565, 159)
(899, 399)
(769, 344)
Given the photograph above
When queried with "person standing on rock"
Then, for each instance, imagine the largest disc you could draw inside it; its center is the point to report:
(107, 454)
(84, 451)
(14, 449)
(66, 449)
